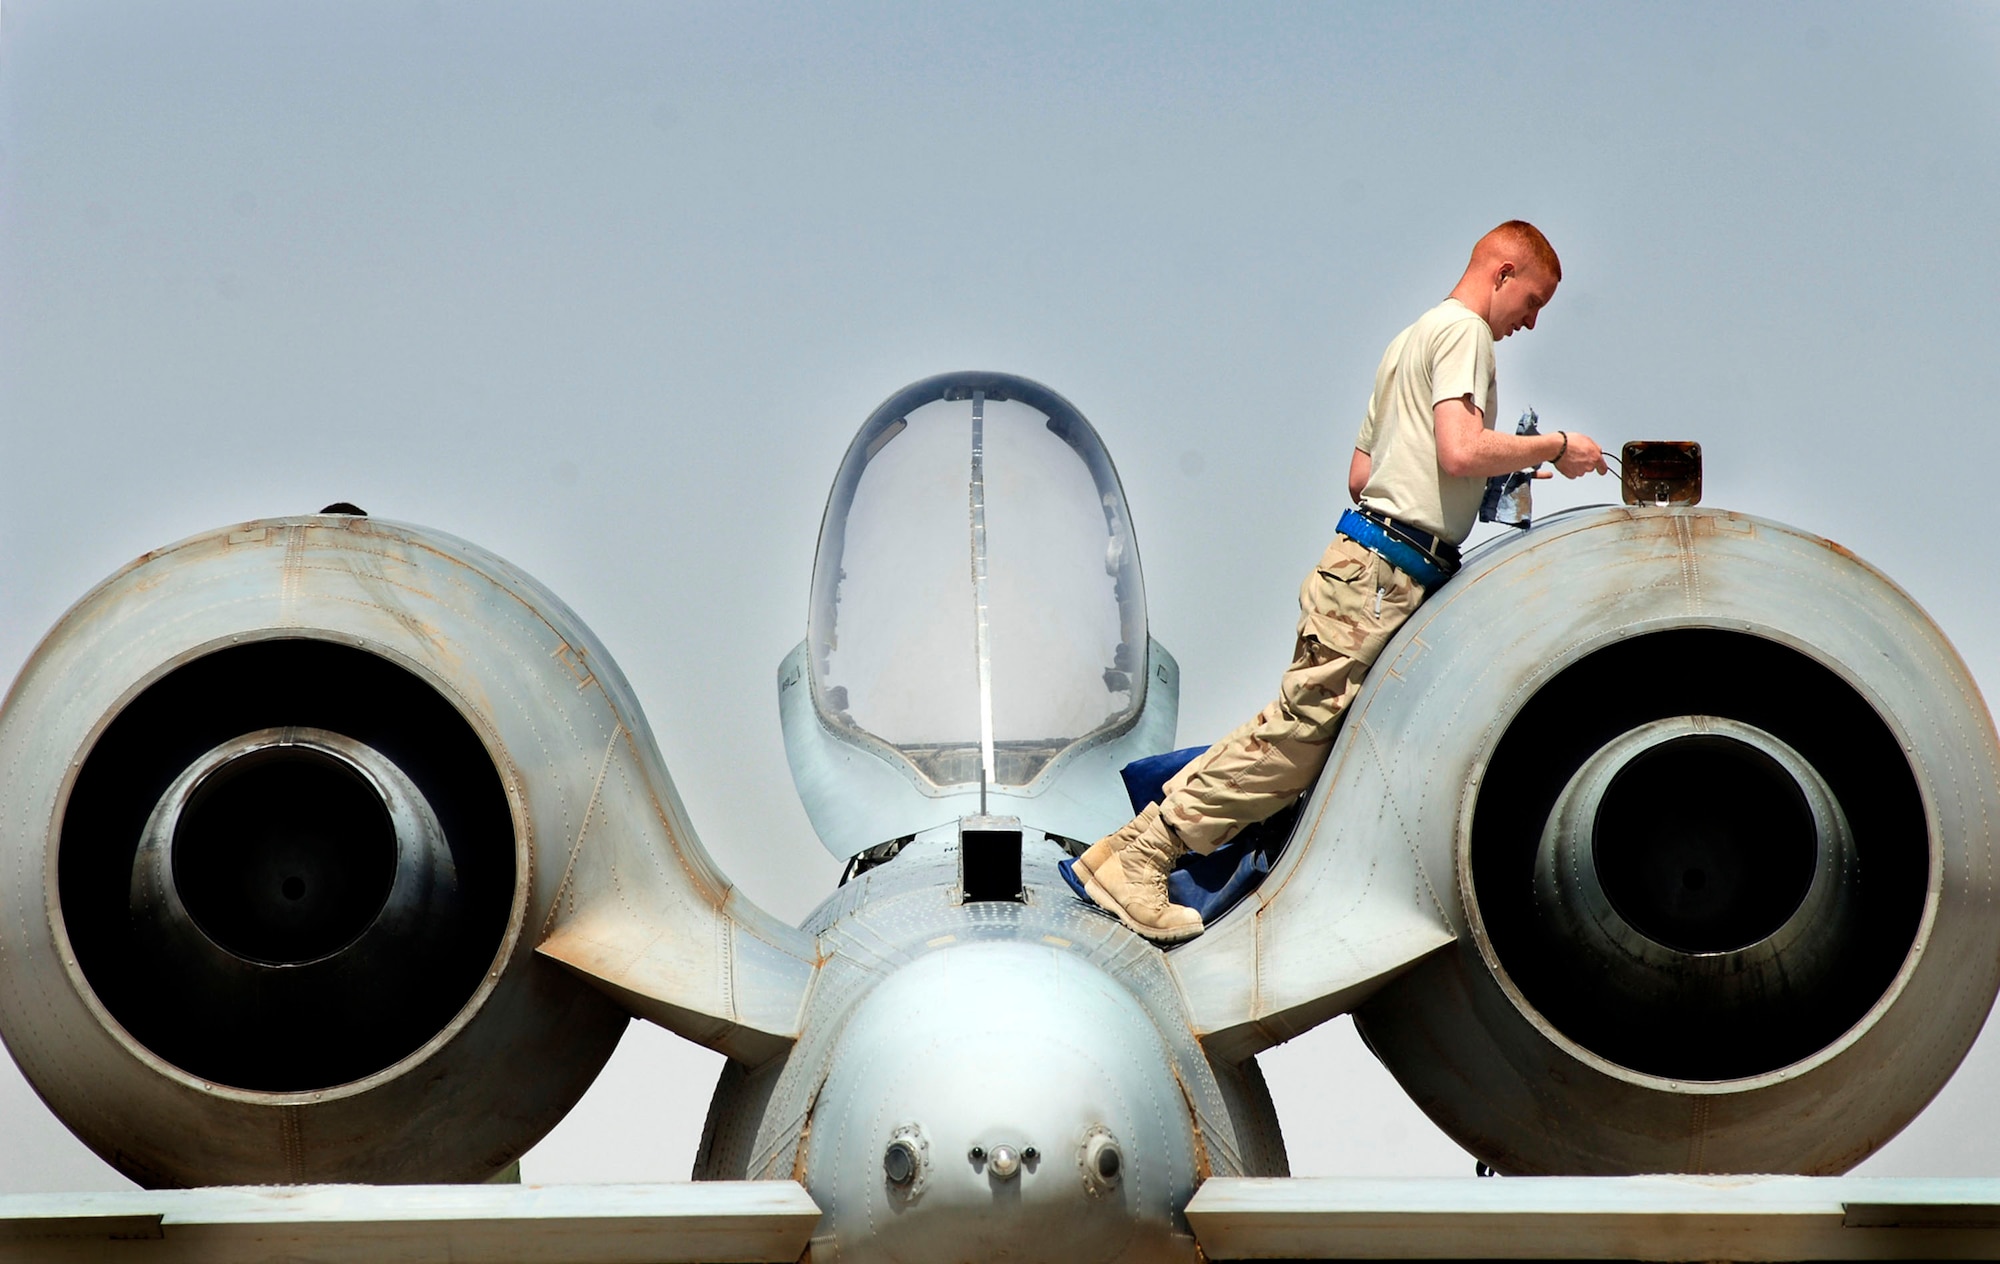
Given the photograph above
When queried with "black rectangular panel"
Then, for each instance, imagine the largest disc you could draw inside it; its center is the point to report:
(989, 864)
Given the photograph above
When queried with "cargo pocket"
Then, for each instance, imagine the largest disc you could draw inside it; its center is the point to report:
(1338, 602)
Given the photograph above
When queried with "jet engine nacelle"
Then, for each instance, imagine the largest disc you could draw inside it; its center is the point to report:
(1704, 811)
(289, 809)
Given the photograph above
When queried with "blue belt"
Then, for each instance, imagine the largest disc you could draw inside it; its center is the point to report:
(1428, 571)
(1439, 549)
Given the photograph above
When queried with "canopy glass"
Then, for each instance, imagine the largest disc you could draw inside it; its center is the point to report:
(977, 600)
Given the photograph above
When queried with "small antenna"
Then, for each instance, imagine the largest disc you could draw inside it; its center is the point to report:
(982, 646)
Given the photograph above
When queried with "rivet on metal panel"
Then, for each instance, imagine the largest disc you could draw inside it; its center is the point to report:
(1405, 660)
(292, 1144)
(254, 535)
(573, 658)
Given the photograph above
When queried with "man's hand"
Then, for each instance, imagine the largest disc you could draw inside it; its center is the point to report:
(1582, 456)
(1467, 449)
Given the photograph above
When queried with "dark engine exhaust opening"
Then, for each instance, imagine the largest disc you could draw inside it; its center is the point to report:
(1704, 844)
(282, 859)
(1704, 848)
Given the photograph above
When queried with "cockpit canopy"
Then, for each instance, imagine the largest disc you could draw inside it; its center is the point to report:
(977, 601)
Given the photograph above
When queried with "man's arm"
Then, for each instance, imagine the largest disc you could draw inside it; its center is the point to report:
(1467, 449)
(1358, 471)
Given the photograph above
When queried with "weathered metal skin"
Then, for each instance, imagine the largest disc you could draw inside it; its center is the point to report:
(561, 765)
(1039, 1025)
(1547, 648)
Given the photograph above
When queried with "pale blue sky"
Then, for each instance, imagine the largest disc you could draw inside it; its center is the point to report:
(608, 288)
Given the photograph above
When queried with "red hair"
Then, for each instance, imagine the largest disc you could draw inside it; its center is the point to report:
(1524, 242)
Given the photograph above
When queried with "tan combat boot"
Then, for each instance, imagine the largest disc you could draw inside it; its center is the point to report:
(1126, 874)
(1101, 852)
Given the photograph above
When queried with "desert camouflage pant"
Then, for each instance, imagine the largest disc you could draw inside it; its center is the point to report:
(1349, 607)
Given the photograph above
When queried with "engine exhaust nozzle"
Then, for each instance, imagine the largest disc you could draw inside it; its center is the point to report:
(1696, 866)
(285, 847)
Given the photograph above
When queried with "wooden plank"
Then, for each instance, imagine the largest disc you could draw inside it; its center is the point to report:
(576, 1224)
(1606, 1218)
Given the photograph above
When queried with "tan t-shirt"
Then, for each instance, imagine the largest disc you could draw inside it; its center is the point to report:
(1447, 354)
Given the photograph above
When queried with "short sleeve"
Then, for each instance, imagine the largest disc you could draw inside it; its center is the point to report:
(1462, 363)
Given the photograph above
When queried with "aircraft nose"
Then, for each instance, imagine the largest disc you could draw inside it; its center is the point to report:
(1001, 1101)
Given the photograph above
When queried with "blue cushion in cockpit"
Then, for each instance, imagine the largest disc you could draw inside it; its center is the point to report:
(1212, 884)
(1146, 779)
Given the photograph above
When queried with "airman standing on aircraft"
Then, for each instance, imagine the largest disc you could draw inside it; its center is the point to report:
(1418, 472)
